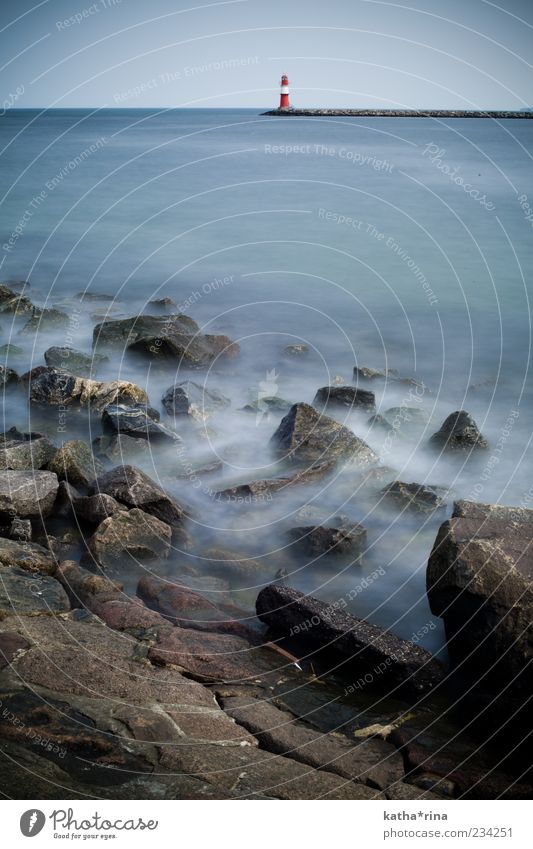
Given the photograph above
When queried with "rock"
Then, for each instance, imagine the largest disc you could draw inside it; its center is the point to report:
(23, 594)
(398, 416)
(66, 496)
(24, 451)
(316, 541)
(74, 361)
(266, 405)
(435, 783)
(260, 491)
(359, 648)
(296, 350)
(372, 762)
(11, 352)
(8, 377)
(44, 320)
(136, 421)
(308, 437)
(27, 556)
(193, 399)
(95, 508)
(232, 565)
(165, 305)
(128, 539)
(120, 448)
(119, 333)
(19, 530)
(94, 296)
(459, 432)
(74, 462)
(13, 302)
(479, 579)
(51, 387)
(134, 488)
(365, 373)
(28, 495)
(414, 497)
(345, 396)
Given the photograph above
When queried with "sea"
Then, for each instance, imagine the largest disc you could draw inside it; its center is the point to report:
(400, 244)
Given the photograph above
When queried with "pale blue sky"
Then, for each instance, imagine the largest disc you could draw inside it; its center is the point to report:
(458, 53)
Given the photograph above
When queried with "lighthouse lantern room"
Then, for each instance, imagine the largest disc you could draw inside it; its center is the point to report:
(284, 95)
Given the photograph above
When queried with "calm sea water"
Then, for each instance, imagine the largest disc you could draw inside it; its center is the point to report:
(383, 242)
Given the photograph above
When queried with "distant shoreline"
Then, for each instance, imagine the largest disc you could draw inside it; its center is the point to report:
(396, 113)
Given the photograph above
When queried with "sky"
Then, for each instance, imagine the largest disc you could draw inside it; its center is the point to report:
(342, 53)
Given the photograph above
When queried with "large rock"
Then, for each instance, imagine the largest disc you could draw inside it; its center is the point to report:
(459, 432)
(75, 463)
(44, 320)
(317, 541)
(308, 437)
(190, 398)
(134, 488)
(13, 302)
(119, 333)
(129, 539)
(345, 396)
(358, 648)
(74, 361)
(479, 579)
(136, 421)
(24, 451)
(28, 495)
(95, 508)
(51, 387)
(23, 594)
(27, 555)
(415, 497)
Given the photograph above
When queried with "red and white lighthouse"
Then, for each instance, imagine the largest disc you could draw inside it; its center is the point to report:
(284, 93)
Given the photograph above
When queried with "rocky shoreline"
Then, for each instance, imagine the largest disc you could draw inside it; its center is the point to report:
(399, 113)
(121, 679)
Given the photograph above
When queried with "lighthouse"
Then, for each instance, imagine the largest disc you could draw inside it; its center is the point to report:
(284, 93)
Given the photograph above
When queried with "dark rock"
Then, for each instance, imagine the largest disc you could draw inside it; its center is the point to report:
(74, 462)
(19, 530)
(27, 555)
(193, 399)
(164, 305)
(365, 373)
(8, 377)
(479, 579)
(66, 496)
(13, 302)
(128, 538)
(95, 508)
(296, 350)
(257, 492)
(51, 387)
(11, 645)
(178, 349)
(44, 320)
(134, 488)
(29, 495)
(136, 421)
(271, 404)
(23, 594)
(459, 433)
(119, 333)
(308, 437)
(357, 646)
(345, 396)
(74, 361)
(316, 541)
(415, 497)
(24, 451)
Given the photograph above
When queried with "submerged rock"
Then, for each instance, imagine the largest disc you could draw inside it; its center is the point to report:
(74, 361)
(270, 404)
(28, 495)
(23, 451)
(128, 538)
(296, 350)
(45, 320)
(317, 541)
(75, 463)
(365, 373)
(358, 647)
(137, 421)
(480, 580)
(345, 396)
(308, 437)
(13, 302)
(459, 432)
(189, 398)
(164, 305)
(51, 387)
(416, 497)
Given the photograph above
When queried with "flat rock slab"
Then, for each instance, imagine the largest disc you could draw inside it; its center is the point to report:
(345, 397)
(359, 647)
(135, 421)
(23, 593)
(28, 495)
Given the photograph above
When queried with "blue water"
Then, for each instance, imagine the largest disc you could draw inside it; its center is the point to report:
(353, 236)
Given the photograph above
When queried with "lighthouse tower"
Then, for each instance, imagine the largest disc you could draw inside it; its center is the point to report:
(284, 96)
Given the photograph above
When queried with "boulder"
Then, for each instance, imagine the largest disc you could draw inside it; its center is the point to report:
(23, 594)
(306, 436)
(128, 538)
(8, 377)
(24, 451)
(134, 488)
(75, 463)
(13, 302)
(119, 333)
(51, 387)
(365, 373)
(94, 296)
(95, 508)
(415, 497)
(28, 495)
(189, 398)
(137, 421)
(459, 432)
(270, 404)
(120, 448)
(262, 490)
(357, 648)
(480, 580)
(316, 541)
(345, 396)
(296, 350)
(74, 361)
(27, 556)
(44, 320)
(162, 305)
